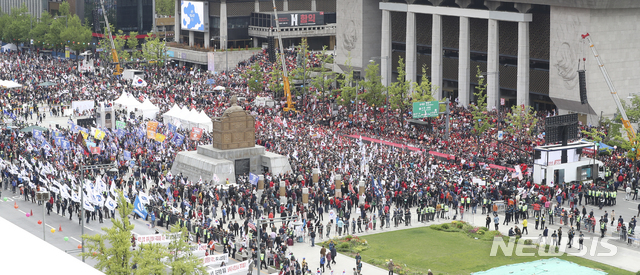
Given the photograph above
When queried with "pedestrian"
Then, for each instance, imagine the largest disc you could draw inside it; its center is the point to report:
(390, 265)
(524, 226)
(496, 221)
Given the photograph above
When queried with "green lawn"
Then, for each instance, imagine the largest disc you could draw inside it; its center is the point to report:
(448, 253)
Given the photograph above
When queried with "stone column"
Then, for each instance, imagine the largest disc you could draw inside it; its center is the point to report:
(523, 64)
(313, 5)
(176, 32)
(153, 11)
(207, 38)
(316, 176)
(493, 65)
(285, 5)
(256, 6)
(192, 37)
(436, 55)
(305, 196)
(361, 187)
(464, 63)
(411, 49)
(385, 51)
(223, 25)
(283, 192)
(260, 182)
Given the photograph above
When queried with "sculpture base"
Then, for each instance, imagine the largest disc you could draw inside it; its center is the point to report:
(207, 161)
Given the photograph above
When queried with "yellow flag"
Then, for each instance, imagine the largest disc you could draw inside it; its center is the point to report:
(84, 135)
(160, 137)
(99, 134)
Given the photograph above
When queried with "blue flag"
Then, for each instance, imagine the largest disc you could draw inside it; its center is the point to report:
(172, 128)
(253, 178)
(127, 155)
(120, 133)
(37, 134)
(139, 209)
(178, 139)
(64, 144)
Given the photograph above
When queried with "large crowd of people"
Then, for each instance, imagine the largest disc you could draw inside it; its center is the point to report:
(400, 181)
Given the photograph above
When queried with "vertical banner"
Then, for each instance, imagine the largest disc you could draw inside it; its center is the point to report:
(211, 66)
(67, 52)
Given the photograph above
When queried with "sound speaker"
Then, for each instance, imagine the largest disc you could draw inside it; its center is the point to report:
(271, 50)
(583, 86)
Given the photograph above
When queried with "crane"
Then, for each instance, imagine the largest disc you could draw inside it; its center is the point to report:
(631, 134)
(114, 54)
(285, 77)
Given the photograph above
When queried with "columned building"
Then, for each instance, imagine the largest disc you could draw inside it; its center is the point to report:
(528, 52)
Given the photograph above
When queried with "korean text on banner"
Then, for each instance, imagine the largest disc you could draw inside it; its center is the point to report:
(239, 268)
(196, 133)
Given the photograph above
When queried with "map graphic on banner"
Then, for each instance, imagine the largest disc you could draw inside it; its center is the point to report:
(192, 16)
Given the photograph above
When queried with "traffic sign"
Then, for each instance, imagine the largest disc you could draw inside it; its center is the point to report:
(426, 109)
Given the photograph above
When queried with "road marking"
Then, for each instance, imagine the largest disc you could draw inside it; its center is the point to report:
(632, 209)
(75, 239)
(22, 211)
(89, 228)
(50, 226)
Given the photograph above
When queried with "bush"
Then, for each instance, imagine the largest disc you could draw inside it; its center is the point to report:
(528, 242)
(459, 225)
(445, 226)
(343, 247)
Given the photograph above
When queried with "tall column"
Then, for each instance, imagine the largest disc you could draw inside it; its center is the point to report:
(523, 64)
(411, 50)
(436, 56)
(493, 65)
(223, 25)
(192, 38)
(285, 5)
(313, 5)
(464, 63)
(153, 12)
(176, 29)
(207, 38)
(385, 52)
(256, 6)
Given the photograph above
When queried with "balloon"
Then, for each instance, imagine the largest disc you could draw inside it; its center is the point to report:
(27, 215)
(479, 119)
(53, 230)
(5, 198)
(39, 222)
(66, 239)
(79, 246)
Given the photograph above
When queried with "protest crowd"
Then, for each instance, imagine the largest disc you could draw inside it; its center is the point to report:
(419, 174)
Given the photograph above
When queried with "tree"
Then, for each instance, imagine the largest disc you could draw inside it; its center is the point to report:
(424, 91)
(18, 27)
(323, 80)
(372, 86)
(165, 7)
(398, 92)
(633, 109)
(115, 258)
(348, 89)
(148, 259)
(522, 120)
(154, 49)
(180, 261)
(275, 84)
(76, 35)
(254, 77)
(301, 72)
(41, 28)
(481, 120)
(132, 43)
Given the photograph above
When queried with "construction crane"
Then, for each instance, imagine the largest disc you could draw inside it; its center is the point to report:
(285, 77)
(114, 54)
(631, 134)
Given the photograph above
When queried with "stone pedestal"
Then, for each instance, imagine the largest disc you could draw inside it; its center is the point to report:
(305, 196)
(234, 130)
(283, 192)
(338, 193)
(361, 188)
(338, 181)
(260, 182)
(316, 176)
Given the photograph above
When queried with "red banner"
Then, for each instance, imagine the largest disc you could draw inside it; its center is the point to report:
(196, 133)
(95, 150)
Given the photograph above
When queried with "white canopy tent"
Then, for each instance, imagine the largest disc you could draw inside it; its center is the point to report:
(126, 101)
(188, 118)
(8, 84)
(9, 47)
(219, 88)
(170, 115)
(148, 109)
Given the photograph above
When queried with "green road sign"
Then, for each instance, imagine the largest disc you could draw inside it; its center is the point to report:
(426, 109)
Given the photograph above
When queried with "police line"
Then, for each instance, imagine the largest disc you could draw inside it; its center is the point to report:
(215, 259)
(231, 269)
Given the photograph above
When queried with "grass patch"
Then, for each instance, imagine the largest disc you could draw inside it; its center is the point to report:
(455, 248)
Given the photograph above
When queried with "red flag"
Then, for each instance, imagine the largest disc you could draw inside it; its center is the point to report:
(95, 150)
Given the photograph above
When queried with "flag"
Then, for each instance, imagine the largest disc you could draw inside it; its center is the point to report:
(178, 139)
(144, 198)
(120, 124)
(110, 203)
(120, 133)
(139, 209)
(253, 178)
(99, 134)
(172, 128)
(98, 199)
(95, 150)
(196, 133)
(80, 141)
(75, 197)
(37, 134)
(160, 137)
(138, 82)
(112, 190)
(127, 155)
(64, 193)
(88, 206)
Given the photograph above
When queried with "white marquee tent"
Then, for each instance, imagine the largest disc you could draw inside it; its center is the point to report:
(148, 109)
(186, 119)
(127, 101)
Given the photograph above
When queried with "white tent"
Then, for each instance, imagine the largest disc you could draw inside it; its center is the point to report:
(8, 84)
(204, 122)
(148, 109)
(9, 47)
(219, 88)
(171, 114)
(126, 101)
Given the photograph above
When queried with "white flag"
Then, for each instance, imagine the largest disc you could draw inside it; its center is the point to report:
(112, 190)
(87, 206)
(144, 198)
(75, 197)
(138, 82)
(110, 203)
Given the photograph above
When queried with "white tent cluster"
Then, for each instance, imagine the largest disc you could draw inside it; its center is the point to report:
(127, 101)
(185, 118)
